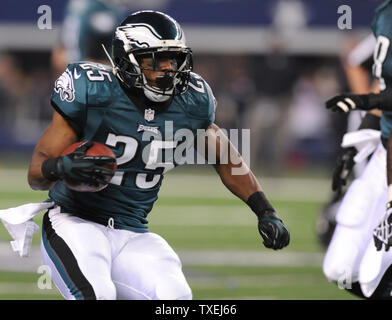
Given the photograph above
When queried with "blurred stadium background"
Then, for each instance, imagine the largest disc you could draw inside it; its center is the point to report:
(271, 65)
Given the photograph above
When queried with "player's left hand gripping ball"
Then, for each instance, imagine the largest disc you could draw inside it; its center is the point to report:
(382, 235)
(346, 102)
(274, 232)
(89, 165)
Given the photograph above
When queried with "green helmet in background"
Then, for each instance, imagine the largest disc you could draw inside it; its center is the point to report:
(87, 25)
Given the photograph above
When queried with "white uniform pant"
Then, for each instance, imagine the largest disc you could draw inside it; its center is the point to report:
(362, 209)
(92, 261)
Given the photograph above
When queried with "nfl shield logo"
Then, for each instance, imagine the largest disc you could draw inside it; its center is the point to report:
(149, 114)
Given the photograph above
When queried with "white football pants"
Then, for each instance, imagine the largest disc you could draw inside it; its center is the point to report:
(92, 261)
(362, 209)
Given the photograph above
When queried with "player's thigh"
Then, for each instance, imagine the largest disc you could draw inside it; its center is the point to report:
(79, 255)
(349, 243)
(375, 263)
(357, 216)
(363, 194)
(148, 268)
(345, 252)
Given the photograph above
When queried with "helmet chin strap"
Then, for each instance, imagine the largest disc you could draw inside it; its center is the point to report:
(114, 68)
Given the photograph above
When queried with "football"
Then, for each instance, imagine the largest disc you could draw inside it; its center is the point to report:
(98, 149)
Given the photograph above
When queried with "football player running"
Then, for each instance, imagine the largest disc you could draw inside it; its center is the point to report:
(98, 244)
(367, 258)
(357, 64)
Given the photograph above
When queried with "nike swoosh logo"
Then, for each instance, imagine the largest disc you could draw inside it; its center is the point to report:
(76, 75)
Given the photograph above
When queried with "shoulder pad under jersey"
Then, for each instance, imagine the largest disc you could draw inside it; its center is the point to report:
(199, 100)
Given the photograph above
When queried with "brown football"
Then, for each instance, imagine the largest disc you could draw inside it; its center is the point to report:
(98, 149)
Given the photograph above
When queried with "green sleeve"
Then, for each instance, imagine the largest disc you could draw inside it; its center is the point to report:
(201, 102)
(69, 97)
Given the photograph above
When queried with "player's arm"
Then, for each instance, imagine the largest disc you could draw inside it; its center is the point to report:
(229, 161)
(356, 60)
(48, 166)
(240, 180)
(53, 141)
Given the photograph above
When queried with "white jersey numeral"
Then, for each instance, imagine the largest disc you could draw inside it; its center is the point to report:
(152, 155)
(102, 73)
(379, 56)
(153, 164)
(200, 85)
(129, 152)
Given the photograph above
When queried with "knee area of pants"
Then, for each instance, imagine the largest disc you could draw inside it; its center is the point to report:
(173, 291)
(186, 297)
(358, 203)
(338, 273)
(106, 292)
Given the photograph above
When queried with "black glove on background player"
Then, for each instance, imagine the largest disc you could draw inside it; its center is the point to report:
(343, 168)
(345, 162)
(347, 101)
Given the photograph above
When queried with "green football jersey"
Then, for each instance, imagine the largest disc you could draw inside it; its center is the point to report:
(91, 99)
(382, 67)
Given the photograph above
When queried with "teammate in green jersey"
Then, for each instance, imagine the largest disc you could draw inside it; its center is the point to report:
(373, 265)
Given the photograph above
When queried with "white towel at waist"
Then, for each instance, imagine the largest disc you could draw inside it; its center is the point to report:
(19, 223)
(364, 140)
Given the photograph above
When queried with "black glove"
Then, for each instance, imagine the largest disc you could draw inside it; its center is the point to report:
(271, 227)
(76, 167)
(347, 102)
(383, 233)
(343, 168)
(273, 231)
